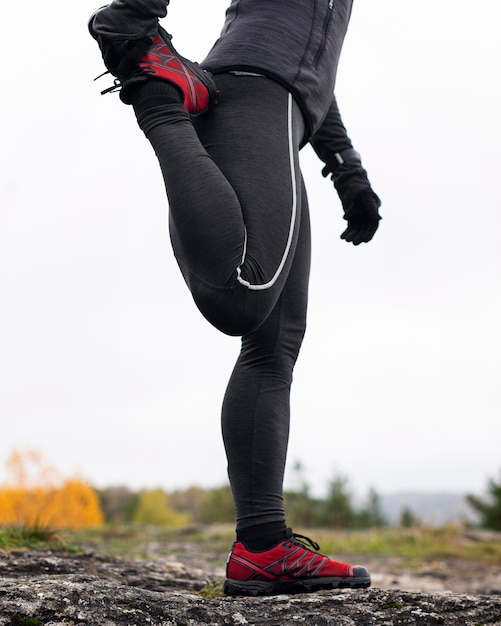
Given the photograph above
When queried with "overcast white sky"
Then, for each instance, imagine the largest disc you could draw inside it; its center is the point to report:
(107, 367)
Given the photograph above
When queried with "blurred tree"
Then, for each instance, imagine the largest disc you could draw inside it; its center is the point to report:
(218, 506)
(27, 468)
(118, 504)
(153, 507)
(75, 504)
(35, 495)
(298, 502)
(338, 509)
(490, 509)
(190, 501)
(371, 515)
(408, 519)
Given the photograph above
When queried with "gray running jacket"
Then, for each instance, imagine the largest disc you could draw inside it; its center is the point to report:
(295, 42)
(298, 44)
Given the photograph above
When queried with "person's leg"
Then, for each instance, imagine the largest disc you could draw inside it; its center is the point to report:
(255, 416)
(232, 180)
(268, 558)
(233, 188)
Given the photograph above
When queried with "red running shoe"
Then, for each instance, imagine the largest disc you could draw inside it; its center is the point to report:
(290, 567)
(135, 61)
(164, 63)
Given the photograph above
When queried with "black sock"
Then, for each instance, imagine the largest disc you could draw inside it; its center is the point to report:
(152, 92)
(157, 102)
(262, 537)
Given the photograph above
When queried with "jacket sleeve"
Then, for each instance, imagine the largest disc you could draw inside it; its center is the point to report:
(333, 146)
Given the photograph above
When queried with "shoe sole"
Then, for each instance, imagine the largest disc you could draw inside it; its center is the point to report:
(305, 585)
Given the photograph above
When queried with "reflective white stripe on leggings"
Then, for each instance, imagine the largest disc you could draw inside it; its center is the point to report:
(270, 283)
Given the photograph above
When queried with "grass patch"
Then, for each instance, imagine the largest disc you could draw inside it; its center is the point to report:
(392, 605)
(28, 537)
(19, 620)
(412, 545)
(32, 538)
(212, 590)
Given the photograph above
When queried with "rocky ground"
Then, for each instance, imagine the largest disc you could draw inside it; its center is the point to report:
(58, 588)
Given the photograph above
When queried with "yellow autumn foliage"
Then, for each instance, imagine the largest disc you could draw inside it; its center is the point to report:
(154, 508)
(35, 494)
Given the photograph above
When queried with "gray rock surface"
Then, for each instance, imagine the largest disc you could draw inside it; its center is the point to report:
(61, 589)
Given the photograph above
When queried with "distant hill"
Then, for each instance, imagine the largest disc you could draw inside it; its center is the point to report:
(434, 509)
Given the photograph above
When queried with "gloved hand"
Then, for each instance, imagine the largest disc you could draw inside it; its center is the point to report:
(362, 216)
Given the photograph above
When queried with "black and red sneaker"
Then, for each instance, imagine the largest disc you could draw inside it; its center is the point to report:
(163, 62)
(292, 566)
(135, 61)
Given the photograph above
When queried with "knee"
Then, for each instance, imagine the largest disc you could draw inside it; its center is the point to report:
(235, 311)
(232, 323)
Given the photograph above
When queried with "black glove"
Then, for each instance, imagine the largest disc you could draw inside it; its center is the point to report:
(362, 216)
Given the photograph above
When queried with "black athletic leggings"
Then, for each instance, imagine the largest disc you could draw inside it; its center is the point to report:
(240, 231)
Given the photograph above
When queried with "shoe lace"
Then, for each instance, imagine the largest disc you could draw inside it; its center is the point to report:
(305, 542)
(117, 84)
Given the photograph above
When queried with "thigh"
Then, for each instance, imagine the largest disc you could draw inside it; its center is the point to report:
(253, 136)
(278, 340)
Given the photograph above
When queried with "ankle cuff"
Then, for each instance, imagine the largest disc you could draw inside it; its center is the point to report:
(262, 537)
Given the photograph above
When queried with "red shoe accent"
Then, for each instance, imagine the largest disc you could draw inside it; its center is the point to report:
(162, 61)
